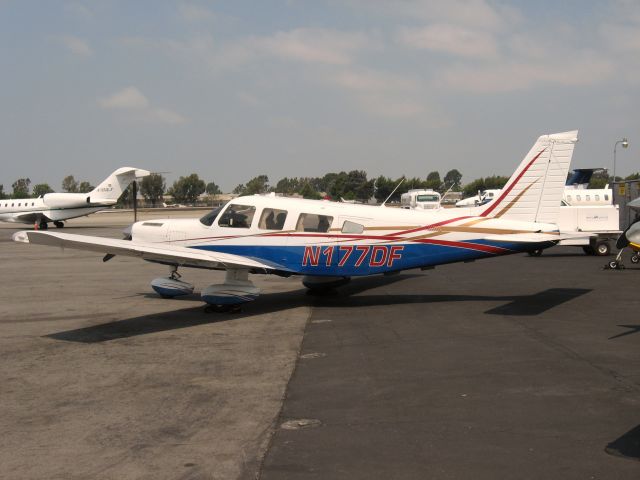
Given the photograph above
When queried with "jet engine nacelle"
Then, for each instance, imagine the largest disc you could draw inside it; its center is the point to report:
(63, 200)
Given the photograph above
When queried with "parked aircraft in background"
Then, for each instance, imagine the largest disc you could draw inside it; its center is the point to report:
(57, 207)
(576, 192)
(329, 242)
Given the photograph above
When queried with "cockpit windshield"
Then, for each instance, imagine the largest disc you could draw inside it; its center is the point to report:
(210, 217)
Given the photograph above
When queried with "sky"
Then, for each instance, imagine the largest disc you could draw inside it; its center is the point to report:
(234, 89)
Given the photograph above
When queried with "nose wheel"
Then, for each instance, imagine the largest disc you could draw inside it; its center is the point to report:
(616, 264)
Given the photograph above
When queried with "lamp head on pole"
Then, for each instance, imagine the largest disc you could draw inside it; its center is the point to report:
(625, 143)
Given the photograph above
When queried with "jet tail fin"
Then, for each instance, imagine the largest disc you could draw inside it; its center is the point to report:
(116, 183)
(534, 191)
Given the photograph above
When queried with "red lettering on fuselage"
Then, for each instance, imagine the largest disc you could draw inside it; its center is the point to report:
(379, 255)
(364, 251)
(395, 254)
(311, 256)
(349, 250)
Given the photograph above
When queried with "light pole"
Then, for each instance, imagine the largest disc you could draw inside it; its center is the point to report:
(625, 144)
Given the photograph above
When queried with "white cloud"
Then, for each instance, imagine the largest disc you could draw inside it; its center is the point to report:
(76, 45)
(127, 98)
(313, 45)
(583, 70)
(137, 107)
(370, 80)
(196, 13)
(451, 39)
(624, 38)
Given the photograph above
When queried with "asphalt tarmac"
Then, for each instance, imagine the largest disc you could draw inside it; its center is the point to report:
(516, 367)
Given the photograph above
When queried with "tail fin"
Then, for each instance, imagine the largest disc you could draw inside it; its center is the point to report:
(113, 186)
(534, 191)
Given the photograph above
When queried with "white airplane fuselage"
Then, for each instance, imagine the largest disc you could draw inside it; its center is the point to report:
(33, 210)
(354, 240)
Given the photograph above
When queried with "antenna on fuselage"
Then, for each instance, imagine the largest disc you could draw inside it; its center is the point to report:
(394, 191)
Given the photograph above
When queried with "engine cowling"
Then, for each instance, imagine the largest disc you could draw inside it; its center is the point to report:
(64, 200)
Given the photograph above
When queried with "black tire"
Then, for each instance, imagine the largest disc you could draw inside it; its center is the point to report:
(44, 225)
(59, 224)
(588, 250)
(535, 253)
(635, 258)
(602, 248)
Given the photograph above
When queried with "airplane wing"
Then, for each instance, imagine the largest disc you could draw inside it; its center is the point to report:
(154, 252)
(31, 217)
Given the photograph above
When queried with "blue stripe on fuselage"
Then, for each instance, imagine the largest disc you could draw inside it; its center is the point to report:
(324, 262)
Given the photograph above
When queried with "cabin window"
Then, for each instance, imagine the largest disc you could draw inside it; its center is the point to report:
(597, 198)
(237, 216)
(568, 198)
(606, 196)
(272, 219)
(588, 198)
(19, 204)
(12, 204)
(210, 217)
(578, 198)
(310, 222)
(352, 227)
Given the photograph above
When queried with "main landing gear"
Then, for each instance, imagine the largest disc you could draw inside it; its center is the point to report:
(59, 224)
(40, 225)
(616, 264)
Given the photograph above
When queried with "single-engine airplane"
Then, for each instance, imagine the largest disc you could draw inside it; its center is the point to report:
(56, 207)
(328, 242)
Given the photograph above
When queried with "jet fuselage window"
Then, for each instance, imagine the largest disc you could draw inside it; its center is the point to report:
(272, 219)
(310, 222)
(606, 196)
(588, 198)
(237, 216)
(597, 198)
(210, 217)
(578, 198)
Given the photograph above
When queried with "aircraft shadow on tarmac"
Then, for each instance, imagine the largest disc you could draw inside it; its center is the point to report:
(627, 446)
(345, 297)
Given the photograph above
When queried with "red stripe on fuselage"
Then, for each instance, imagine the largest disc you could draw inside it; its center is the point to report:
(506, 192)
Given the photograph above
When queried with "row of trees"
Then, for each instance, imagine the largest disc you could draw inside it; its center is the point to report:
(353, 185)
(22, 188)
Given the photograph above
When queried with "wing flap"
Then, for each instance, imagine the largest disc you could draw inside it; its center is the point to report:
(164, 253)
(534, 237)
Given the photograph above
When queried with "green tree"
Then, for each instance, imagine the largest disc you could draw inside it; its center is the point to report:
(21, 188)
(493, 182)
(239, 190)
(126, 198)
(213, 189)
(41, 189)
(2, 194)
(453, 178)
(85, 187)
(599, 179)
(633, 176)
(433, 181)
(69, 184)
(187, 189)
(307, 191)
(152, 188)
(259, 184)
(288, 186)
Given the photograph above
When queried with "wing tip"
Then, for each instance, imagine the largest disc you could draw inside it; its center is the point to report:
(21, 236)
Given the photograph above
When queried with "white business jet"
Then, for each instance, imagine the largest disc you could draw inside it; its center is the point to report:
(56, 207)
(328, 242)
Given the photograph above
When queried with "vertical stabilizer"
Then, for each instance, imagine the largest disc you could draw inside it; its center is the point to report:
(116, 183)
(534, 192)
